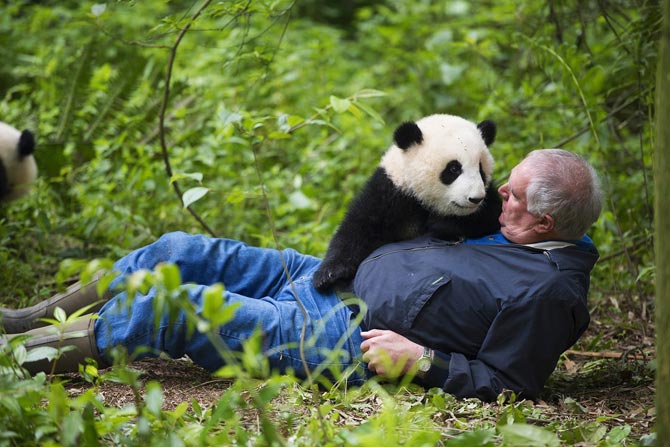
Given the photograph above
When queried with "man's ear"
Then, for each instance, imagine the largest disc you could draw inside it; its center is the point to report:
(545, 224)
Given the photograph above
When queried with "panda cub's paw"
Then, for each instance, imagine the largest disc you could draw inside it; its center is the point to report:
(330, 275)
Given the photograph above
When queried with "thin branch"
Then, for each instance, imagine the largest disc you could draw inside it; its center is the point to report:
(585, 129)
(273, 230)
(611, 354)
(627, 249)
(553, 16)
(135, 43)
(604, 9)
(161, 117)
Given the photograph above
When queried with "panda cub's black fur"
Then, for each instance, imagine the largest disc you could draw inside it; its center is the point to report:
(393, 206)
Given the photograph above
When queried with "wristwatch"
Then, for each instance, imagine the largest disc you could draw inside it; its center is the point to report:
(425, 362)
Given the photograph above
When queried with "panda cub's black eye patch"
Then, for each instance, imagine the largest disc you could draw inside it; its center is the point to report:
(451, 172)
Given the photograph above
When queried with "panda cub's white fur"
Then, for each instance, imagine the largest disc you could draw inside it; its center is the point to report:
(417, 170)
(435, 179)
(17, 162)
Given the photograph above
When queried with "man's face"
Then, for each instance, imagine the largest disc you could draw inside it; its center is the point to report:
(517, 224)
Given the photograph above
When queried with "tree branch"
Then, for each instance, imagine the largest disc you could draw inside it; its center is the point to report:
(161, 116)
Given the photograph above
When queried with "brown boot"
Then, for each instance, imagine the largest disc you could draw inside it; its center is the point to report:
(78, 333)
(75, 297)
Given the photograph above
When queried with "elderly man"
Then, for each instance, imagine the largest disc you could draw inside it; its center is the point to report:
(474, 317)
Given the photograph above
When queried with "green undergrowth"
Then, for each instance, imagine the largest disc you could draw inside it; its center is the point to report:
(280, 411)
(259, 407)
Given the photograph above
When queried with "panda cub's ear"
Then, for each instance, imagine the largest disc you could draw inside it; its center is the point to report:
(407, 134)
(26, 143)
(488, 131)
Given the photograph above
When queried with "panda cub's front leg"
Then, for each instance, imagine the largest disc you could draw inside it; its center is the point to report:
(350, 245)
(336, 269)
(365, 227)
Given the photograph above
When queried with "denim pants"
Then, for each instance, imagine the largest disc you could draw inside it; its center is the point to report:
(255, 279)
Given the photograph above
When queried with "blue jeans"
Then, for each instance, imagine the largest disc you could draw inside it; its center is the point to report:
(255, 279)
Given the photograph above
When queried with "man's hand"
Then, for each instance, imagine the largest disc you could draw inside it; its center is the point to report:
(389, 354)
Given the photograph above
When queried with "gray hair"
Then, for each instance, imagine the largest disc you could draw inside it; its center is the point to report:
(565, 186)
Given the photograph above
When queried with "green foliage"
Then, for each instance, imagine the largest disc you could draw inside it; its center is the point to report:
(259, 77)
(277, 114)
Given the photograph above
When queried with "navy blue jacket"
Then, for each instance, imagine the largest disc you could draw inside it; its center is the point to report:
(498, 315)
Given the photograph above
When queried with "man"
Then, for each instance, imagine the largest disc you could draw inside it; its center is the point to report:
(475, 318)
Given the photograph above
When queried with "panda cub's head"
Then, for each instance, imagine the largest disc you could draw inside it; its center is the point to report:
(443, 161)
(17, 163)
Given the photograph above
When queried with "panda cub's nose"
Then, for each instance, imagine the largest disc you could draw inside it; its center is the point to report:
(476, 200)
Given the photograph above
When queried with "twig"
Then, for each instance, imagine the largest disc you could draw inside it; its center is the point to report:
(626, 249)
(610, 354)
(161, 116)
(585, 129)
(268, 212)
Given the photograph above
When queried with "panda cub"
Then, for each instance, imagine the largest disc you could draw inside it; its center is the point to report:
(435, 179)
(17, 163)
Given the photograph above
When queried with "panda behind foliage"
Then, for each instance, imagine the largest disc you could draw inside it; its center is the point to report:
(435, 179)
(17, 163)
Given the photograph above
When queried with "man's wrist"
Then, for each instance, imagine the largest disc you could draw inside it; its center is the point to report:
(425, 362)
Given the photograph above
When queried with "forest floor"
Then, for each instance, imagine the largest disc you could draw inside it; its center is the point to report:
(590, 388)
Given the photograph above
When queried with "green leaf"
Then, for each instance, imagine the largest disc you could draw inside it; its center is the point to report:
(60, 315)
(294, 120)
(197, 409)
(339, 105)
(648, 440)
(98, 9)
(179, 410)
(649, 270)
(597, 432)
(236, 196)
(511, 414)
(438, 401)
(371, 112)
(299, 200)
(369, 93)
(94, 267)
(90, 371)
(154, 398)
(212, 301)
(276, 135)
(527, 435)
(190, 175)
(193, 195)
(573, 406)
(169, 275)
(479, 438)
(90, 435)
(230, 117)
(355, 111)
(21, 354)
(73, 425)
(215, 308)
(617, 435)
(139, 281)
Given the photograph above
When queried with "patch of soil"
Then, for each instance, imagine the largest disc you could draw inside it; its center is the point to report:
(180, 380)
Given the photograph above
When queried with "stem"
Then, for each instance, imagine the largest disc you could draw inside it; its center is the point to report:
(161, 115)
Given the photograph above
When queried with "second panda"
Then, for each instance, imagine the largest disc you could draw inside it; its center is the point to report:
(435, 179)
(17, 162)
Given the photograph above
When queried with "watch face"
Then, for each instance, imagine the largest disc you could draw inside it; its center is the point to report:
(424, 364)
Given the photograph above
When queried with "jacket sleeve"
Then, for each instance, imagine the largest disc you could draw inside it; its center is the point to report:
(519, 352)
